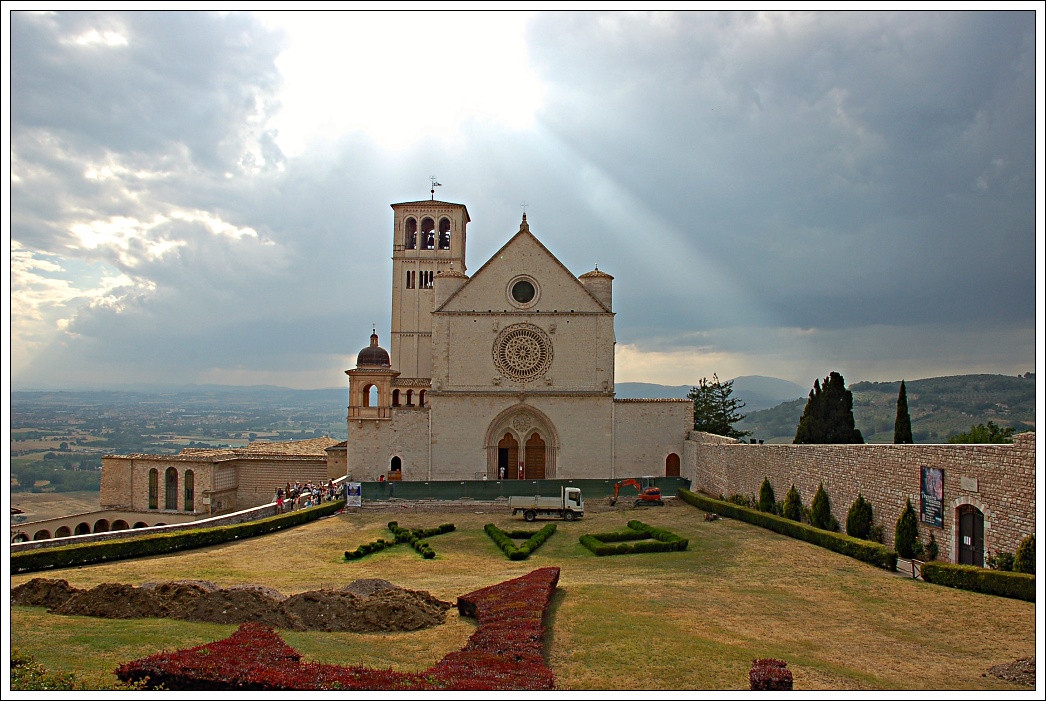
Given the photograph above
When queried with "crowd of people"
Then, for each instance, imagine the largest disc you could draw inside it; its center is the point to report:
(299, 496)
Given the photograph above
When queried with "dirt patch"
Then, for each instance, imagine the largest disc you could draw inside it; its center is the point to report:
(1021, 671)
(366, 605)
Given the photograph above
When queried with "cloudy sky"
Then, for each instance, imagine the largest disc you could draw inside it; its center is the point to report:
(204, 198)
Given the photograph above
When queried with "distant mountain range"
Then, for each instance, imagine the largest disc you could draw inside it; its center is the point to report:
(757, 392)
(939, 407)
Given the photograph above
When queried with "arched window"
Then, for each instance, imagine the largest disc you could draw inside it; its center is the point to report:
(444, 234)
(154, 488)
(370, 395)
(410, 397)
(188, 501)
(170, 500)
(421, 398)
(396, 465)
(395, 397)
(410, 233)
(428, 234)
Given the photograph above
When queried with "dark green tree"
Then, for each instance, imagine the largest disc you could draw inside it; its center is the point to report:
(985, 434)
(902, 425)
(821, 509)
(793, 505)
(767, 501)
(715, 411)
(859, 518)
(906, 535)
(1024, 560)
(829, 414)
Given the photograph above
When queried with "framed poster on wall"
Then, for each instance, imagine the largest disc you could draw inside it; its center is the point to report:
(353, 494)
(931, 511)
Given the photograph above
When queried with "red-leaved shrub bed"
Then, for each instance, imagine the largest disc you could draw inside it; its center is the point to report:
(504, 654)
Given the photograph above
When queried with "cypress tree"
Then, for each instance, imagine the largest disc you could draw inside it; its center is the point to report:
(821, 509)
(902, 425)
(793, 505)
(906, 535)
(1024, 560)
(859, 519)
(828, 416)
(767, 502)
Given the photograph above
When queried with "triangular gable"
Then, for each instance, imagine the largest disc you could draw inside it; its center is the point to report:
(523, 254)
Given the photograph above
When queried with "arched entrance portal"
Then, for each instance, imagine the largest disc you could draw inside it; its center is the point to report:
(672, 465)
(971, 536)
(522, 441)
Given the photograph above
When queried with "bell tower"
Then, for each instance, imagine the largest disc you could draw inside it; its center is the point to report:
(428, 237)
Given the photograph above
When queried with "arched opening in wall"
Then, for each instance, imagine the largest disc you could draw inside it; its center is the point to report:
(410, 397)
(370, 395)
(444, 234)
(20, 537)
(63, 532)
(42, 535)
(141, 524)
(395, 397)
(421, 398)
(508, 457)
(395, 468)
(971, 535)
(119, 525)
(82, 528)
(154, 488)
(170, 497)
(534, 462)
(410, 233)
(188, 502)
(672, 465)
(101, 526)
(428, 233)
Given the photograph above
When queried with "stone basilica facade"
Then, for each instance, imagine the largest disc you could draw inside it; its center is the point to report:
(507, 374)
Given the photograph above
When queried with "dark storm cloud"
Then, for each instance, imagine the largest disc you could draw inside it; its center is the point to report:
(750, 181)
(844, 166)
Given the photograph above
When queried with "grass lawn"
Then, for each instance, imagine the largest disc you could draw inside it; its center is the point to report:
(692, 620)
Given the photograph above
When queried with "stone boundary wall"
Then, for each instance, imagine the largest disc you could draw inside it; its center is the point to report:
(998, 479)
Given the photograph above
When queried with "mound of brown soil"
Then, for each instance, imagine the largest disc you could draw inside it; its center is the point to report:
(365, 605)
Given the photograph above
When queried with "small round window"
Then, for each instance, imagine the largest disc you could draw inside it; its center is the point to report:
(523, 291)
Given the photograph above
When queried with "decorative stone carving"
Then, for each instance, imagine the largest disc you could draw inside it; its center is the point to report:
(522, 352)
(521, 422)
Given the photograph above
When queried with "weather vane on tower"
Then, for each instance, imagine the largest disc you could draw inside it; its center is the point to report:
(434, 185)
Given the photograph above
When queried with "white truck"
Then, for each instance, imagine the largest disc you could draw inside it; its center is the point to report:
(569, 505)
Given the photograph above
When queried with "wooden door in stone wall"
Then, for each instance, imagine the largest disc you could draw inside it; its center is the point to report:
(672, 465)
(534, 460)
(971, 536)
(508, 457)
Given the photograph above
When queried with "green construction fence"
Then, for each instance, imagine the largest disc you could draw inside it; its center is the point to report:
(491, 490)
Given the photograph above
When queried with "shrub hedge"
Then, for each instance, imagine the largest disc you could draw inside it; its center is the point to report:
(1012, 585)
(506, 541)
(663, 541)
(864, 550)
(161, 543)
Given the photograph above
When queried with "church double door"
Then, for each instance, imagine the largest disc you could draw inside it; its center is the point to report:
(528, 463)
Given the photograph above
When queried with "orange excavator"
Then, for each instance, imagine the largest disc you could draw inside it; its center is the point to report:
(648, 496)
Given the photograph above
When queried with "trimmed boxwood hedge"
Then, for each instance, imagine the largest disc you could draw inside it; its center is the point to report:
(1012, 585)
(146, 545)
(664, 541)
(506, 540)
(864, 550)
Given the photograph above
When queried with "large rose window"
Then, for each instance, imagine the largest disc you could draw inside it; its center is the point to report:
(522, 352)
